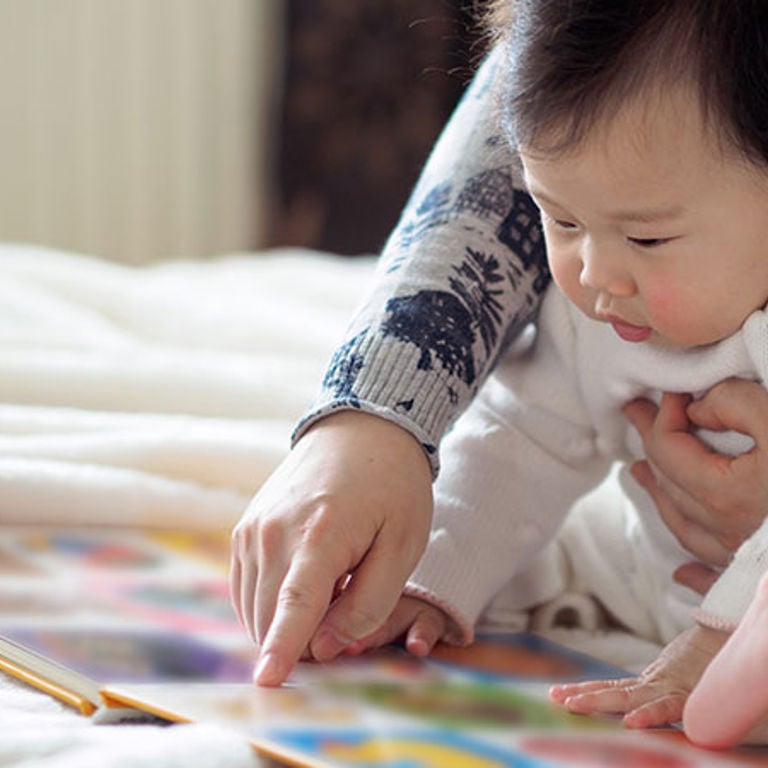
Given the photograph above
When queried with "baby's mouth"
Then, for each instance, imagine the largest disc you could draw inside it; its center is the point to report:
(629, 331)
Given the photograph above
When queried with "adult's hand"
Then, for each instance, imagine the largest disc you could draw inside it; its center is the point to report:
(323, 551)
(709, 501)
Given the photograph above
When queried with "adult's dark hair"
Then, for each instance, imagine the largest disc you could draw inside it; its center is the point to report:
(573, 62)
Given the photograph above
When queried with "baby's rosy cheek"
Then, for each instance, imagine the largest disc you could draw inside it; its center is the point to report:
(676, 315)
(668, 311)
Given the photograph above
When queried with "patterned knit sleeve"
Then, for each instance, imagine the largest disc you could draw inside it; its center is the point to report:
(460, 276)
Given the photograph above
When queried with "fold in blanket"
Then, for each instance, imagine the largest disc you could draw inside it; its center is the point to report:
(162, 394)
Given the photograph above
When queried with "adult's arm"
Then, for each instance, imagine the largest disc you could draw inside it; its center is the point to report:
(351, 505)
(461, 274)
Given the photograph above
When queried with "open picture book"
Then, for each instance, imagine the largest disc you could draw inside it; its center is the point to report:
(141, 627)
(81, 606)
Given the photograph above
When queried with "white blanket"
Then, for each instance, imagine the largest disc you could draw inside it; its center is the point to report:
(165, 393)
(38, 732)
(157, 395)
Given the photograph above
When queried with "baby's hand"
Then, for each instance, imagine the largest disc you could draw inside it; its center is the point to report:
(657, 696)
(419, 623)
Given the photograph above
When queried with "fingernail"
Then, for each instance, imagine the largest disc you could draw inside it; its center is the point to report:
(269, 670)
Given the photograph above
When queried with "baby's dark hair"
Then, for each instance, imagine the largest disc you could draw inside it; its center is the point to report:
(571, 63)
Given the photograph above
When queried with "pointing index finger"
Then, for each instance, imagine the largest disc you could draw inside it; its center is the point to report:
(303, 599)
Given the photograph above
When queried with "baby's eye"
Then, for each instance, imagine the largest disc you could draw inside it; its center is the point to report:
(649, 242)
(553, 221)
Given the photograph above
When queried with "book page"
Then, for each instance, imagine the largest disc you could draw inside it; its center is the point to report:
(86, 606)
(480, 707)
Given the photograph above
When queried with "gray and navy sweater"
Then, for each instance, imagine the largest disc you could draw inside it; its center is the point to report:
(461, 275)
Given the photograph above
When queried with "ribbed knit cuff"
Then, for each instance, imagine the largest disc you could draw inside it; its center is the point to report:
(391, 385)
(707, 619)
(730, 596)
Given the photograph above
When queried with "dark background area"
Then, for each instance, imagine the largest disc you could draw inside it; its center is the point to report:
(368, 85)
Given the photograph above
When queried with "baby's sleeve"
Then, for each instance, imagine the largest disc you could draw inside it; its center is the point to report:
(514, 463)
(728, 599)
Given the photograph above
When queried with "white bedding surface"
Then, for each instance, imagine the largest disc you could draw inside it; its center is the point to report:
(38, 732)
(161, 394)
(129, 395)
(153, 395)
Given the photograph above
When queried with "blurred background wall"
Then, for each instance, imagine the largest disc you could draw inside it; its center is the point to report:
(367, 87)
(146, 129)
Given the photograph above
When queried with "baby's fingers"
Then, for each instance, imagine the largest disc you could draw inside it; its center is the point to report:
(420, 625)
(382, 636)
(668, 708)
(614, 697)
(562, 691)
(639, 702)
(427, 629)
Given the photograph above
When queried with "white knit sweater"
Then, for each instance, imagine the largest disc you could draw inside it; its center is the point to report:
(546, 428)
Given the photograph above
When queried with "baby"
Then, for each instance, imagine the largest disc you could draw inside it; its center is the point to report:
(639, 129)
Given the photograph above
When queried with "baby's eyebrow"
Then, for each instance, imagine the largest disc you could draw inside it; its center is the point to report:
(648, 215)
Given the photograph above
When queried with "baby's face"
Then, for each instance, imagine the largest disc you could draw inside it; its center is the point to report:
(651, 227)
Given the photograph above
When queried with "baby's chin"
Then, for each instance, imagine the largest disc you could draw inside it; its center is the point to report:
(661, 341)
